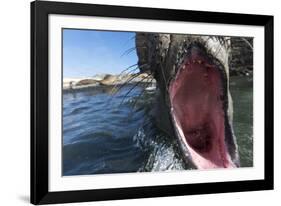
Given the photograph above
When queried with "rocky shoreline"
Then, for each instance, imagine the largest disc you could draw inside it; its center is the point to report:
(105, 80)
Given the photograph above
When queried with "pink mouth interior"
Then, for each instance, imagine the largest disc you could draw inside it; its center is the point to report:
(197, 109)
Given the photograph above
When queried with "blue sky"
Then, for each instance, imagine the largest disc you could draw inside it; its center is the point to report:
(90, 52)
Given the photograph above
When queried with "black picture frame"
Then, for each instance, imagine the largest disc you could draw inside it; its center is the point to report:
(39, 102)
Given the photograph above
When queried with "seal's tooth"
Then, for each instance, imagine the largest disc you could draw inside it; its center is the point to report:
(208, 66)
(199, 61)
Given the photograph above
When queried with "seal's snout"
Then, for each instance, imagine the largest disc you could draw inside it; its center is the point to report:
(194, 102)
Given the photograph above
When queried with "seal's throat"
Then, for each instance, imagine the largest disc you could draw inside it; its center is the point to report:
(197, 97)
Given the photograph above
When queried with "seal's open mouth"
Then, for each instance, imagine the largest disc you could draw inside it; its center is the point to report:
(197, 107)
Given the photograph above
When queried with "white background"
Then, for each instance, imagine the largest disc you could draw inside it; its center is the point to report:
(14, 104)
(58, 183)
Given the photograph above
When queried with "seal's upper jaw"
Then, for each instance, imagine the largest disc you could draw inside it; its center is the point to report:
(197, 109)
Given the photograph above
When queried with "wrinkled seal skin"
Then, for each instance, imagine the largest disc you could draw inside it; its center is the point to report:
(161, 54)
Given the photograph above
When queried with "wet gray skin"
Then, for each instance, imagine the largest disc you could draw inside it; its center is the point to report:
(163, 56)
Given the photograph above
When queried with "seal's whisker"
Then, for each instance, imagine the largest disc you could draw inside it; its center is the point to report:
(138, 98)
(140, 95)
(206, 44)
(128, 51)
(118, 87)
(128, 80)
(127, 73)
(121, 86)
(115, 88)
(137, 75)
(218, 49)
(135, 103)
(126, 69)
(134, 87)
(137, 67)
(207, 40)
(146, 122)
(130, 39)
(133, 37)
(165, 81)
(134, 65)
(248, 43)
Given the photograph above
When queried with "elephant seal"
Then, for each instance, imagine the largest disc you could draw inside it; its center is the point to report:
(109, 80)
(86, 82)
(194, 101)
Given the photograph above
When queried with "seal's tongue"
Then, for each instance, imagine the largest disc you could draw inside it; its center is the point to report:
(196, 96)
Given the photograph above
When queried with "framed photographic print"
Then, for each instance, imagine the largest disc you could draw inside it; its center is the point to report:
(131, 102)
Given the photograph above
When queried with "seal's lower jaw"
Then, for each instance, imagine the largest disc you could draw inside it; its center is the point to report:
(196, 96)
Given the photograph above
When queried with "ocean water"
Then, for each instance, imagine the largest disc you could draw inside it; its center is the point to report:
(242, 94)
(106, 132)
